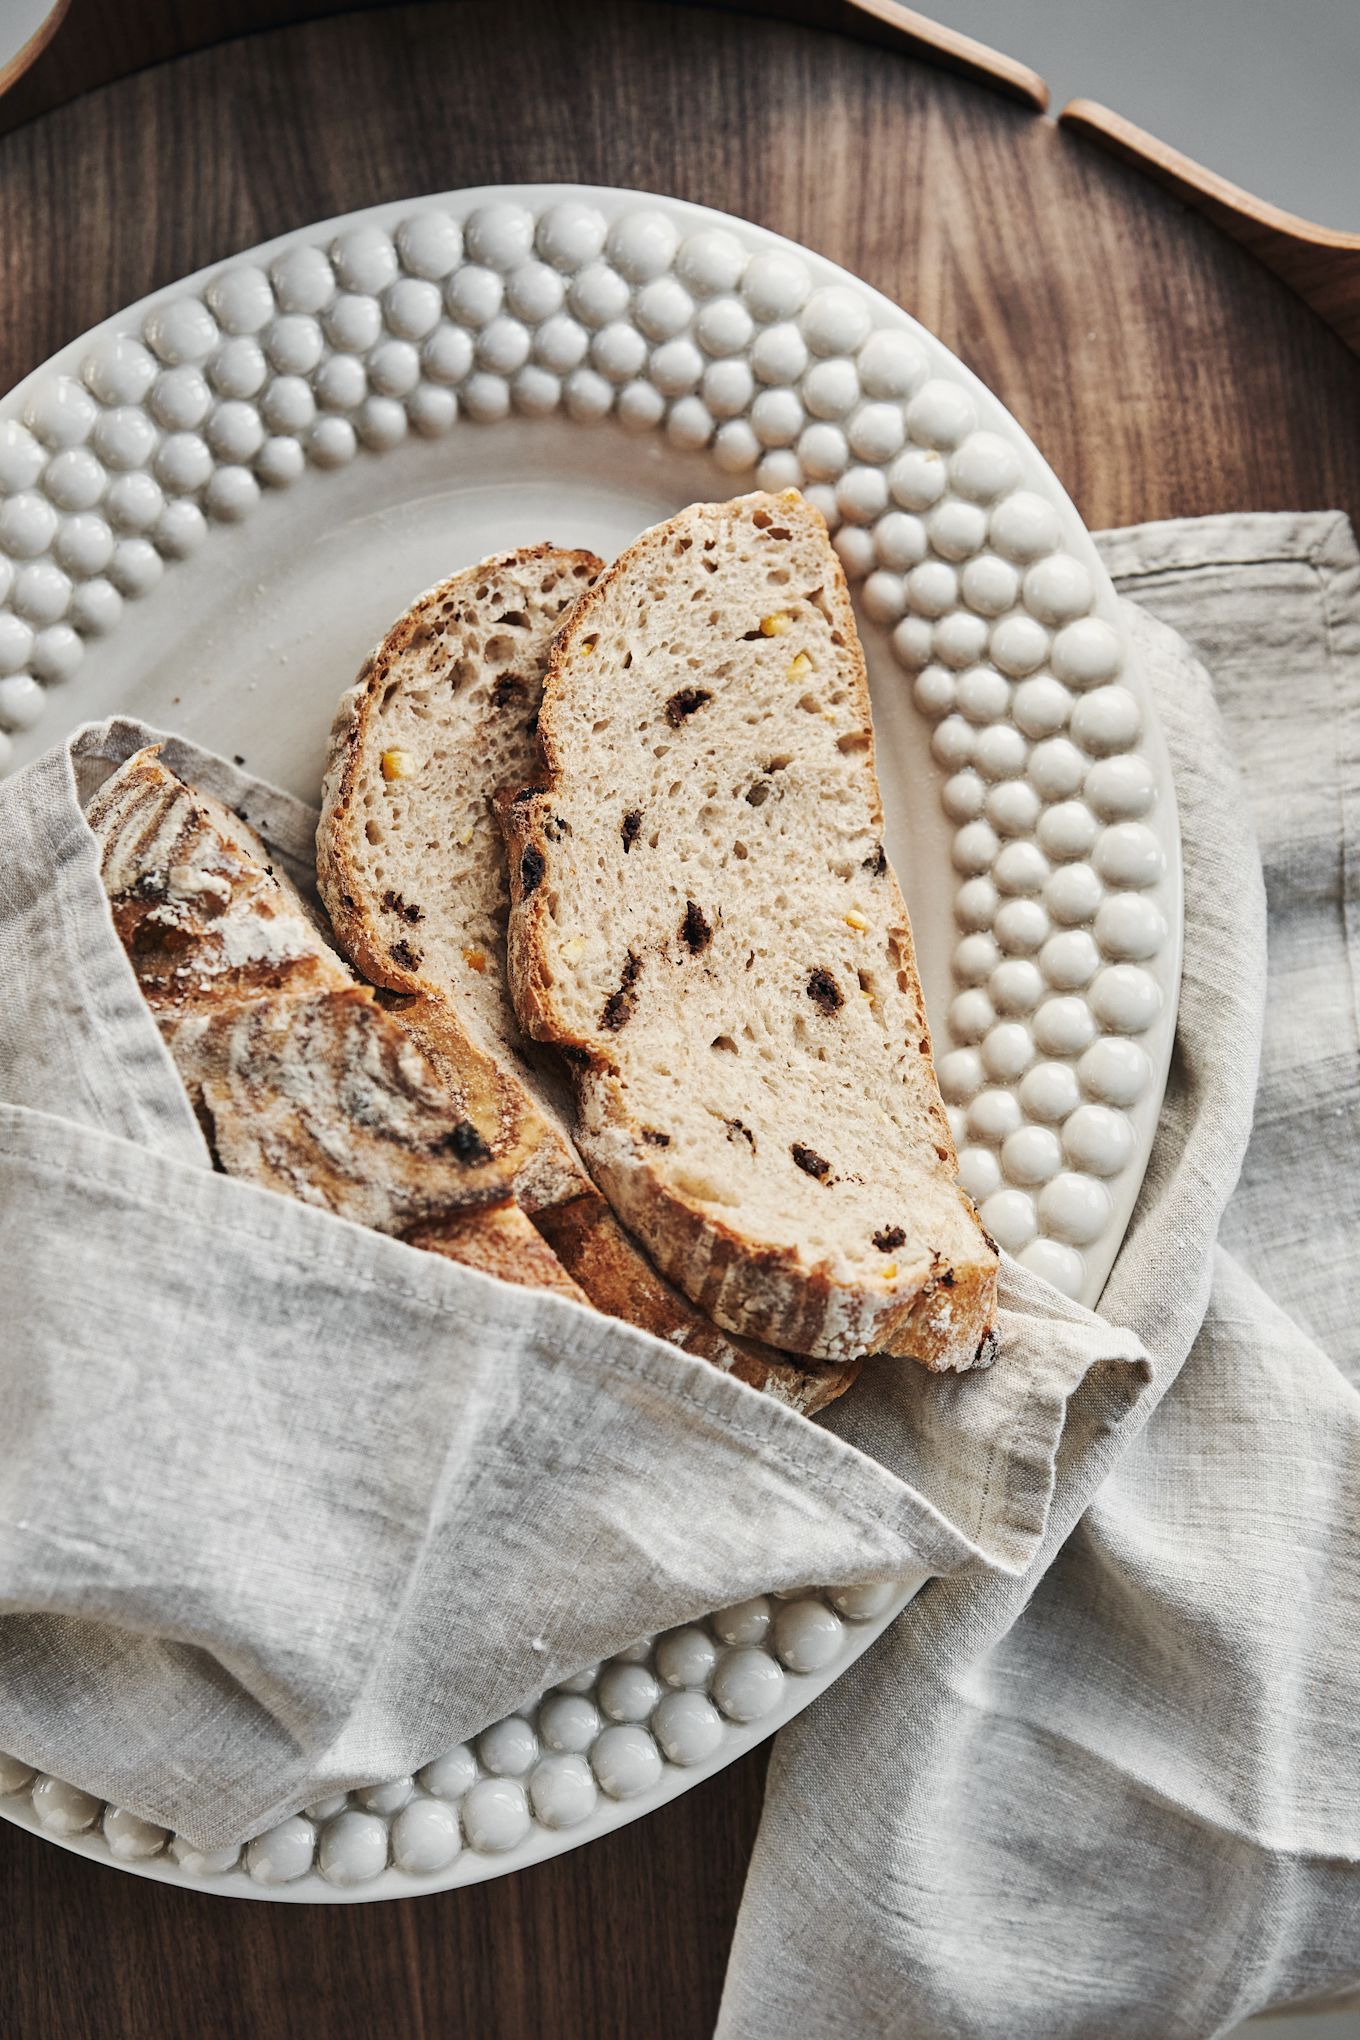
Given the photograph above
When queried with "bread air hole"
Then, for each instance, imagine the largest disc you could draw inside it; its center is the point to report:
(740, 851)
(725, 1044)
(810, 704)
(851, 746)
(373, 832)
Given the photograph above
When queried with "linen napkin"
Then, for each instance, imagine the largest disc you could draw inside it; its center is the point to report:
(1120, 1793)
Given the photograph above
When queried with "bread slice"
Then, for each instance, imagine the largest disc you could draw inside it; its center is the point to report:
(302, 1082)
(705, 922)
(411, 867)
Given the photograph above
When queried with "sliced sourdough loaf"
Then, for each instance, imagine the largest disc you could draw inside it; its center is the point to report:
(302, 1082)
(411, 867)
(705, 922)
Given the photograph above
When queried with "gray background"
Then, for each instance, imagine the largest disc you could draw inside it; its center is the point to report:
(1265, 92)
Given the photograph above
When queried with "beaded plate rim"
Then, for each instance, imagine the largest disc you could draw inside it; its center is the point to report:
(968, 672)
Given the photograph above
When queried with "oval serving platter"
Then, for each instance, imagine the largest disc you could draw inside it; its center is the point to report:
(213, 505)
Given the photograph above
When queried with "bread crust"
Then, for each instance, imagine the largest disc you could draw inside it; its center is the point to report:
(938, 1312)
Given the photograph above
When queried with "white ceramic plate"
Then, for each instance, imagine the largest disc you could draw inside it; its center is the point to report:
(211, 507)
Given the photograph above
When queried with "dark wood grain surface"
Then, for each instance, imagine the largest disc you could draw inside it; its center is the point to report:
(1161, 369)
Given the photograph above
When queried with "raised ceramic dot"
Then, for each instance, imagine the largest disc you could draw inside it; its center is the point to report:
(125, 438)
(1019, 645)
(748, 1685)
(956, 528)
(628, 1692)
(891, 365)
(354, 323)
(835, 320)
(989, 585)
(283, 1853)
(913, 641)
(22, 459)
(993, 1116)
(688, 1728)
(532, 390)
(568, 1721)
(876, 431)
(1129, 926)
(975, 958)
(598, 294)
(1108, 719)
(862, 494)
(779, 354)
(1120, 786)
(238, 369)
(974, 847)
(136, 567)
(235, 432)
(429, 244)
(22, 702)
(203, 1862)
(131, 1839)
(864, 1603)
(181, 530)
(183, 463)
(241, 299)
(745, 1622)
(1031, 1156)
(1115, 1071)
(16, 642)
(1024, 527)
(639, 1653)
(450, 1775)
(60, 412)
(983, 695)
(533, 292)
(1056, 768)
(1087, 653)
(727, 388)
(570, 234)
(96, 607)
(1049, 1092)
(1064, 1026)
(917, 479)
(1067, 830)
(353, 1849)
(1020, 868)
(394, 365)
(473, 295)
(496, 1815)
(231, 494)
(1041, 707)
(1129, 855)
(63, 1809)
(979, 1172)
(960, 639)
(1074, 1208)
(984, 467)
(1007, 1051)
(884, 597)
(1072, 894)
(640, 406)
(184, 331)
(1070, 960)
(118, 371)
(933, 693)
(503, 346)
(1000, 752)
(677, 366)
(642, 245)
(280, 462)
(900, 540)
(181, 399)
(626, 1761)
(821, 497)
(775, 285)
(425, 1837)
(976, 903)
(690, 424)
(560, 344)
(618, 350)
(1016, 985)
(807, 1636)
(971, 1014)
(664, 308)
(365, 259)
(1098, 1139)
(823, 452)
(723, 326)
(830, 388)
(1012, 808)
(1020, 926)
(385, 1798)
(288, 405)
(303, 280)
(940, 415)
(486, 397)
(932, 588)
(28, 524)
(1058, 589)
(588, 397)
(1009, 1217)
(84, 545)
(686, 1657)
(41, 592)
(1055, 1263)
(854, 547)
(500, 235)
(711, 261)
(563, 1790)
(508, 1748)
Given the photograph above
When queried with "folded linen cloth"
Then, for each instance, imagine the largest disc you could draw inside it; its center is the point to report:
(1120, 1794)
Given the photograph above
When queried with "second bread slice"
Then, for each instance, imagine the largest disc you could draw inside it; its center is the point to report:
(705, 921)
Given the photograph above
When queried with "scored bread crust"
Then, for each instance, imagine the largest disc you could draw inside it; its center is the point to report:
(940, 1307)
(383, 927)
(301, 1081)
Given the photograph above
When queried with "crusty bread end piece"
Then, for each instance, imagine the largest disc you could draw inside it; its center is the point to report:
(705, 922)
